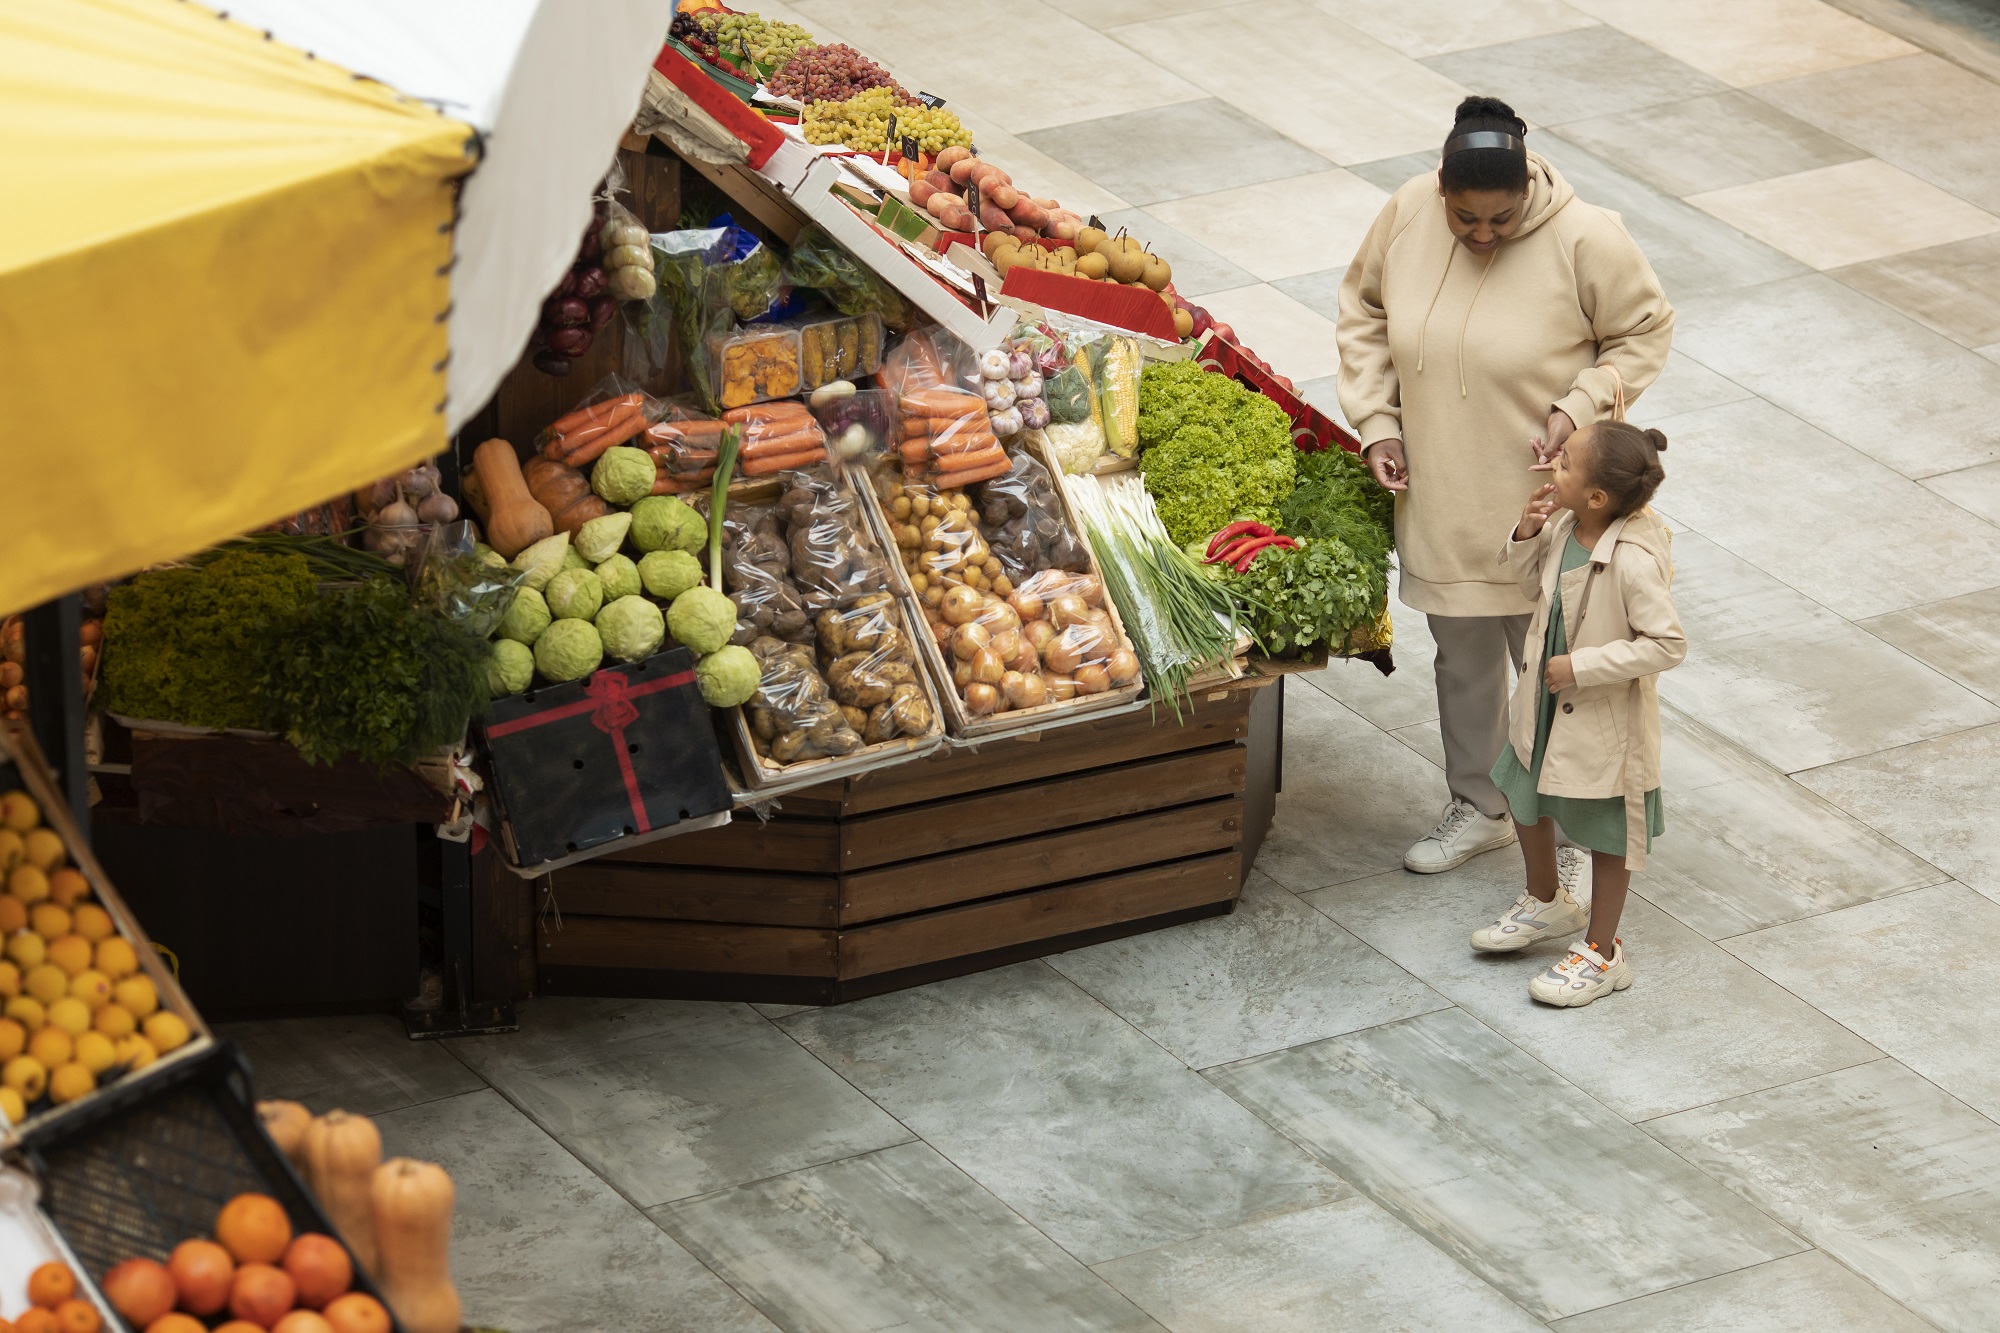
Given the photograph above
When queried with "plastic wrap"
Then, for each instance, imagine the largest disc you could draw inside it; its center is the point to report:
(757, 575)
(833, 559)
(946, 437)
(684, 443)
(817, 261)
(776, 437)
(857, 422)
(753, 364)
(838, 347)
(615, 411)
(793, 716)
(1026, 527)
(452, 579)
(712, 278)
(929, 358)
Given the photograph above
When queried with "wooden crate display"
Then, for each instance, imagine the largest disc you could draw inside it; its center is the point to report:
(961, 860)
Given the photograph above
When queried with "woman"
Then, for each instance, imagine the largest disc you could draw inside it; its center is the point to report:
(1488, 314)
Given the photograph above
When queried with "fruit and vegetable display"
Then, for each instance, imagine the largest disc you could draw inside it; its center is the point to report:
(78, 1010)
(397, 511)
(834, 73)
(56, 1304)
(1214, 452)
(862, 123)
(765, 44)
(833, 667)
(579, 307)
(14, 655)
(777, 437)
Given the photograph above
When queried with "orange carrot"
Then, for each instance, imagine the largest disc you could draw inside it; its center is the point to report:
(665, 485)
(619, 431)
(964, 442)
(596, 413)
(945, 481)
(757, 412)
(789, 442)
(765, 466)
(968, 462)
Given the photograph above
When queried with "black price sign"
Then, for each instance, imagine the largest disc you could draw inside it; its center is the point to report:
(930, 100)
(889, 139)
(972, 203)
(1098, 222)
(910, 147)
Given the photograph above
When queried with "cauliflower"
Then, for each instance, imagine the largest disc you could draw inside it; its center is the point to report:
(568, 650)
(668, 574)
(620, 578)
(543, 559)
(631, 628)
(510, 668)
(702, 619)
(728, 676)
(663, 523)
(624, 475)
(599, 539)
(526, 618)
(574, 594)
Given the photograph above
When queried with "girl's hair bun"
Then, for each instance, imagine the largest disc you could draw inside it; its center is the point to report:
(1658, 439)
(1488, 108)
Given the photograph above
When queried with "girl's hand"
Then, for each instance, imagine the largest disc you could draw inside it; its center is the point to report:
(1559, 676)
(1389, 464)
(1540, 505)
(1560, 429)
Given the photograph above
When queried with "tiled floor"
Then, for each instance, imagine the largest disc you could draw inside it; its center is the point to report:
(1324, 1112)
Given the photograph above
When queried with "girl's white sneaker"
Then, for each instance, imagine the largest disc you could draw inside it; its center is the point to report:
(1530, 921)
(1582, 976)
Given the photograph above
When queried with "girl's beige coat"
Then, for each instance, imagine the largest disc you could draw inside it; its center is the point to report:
(1622, 630)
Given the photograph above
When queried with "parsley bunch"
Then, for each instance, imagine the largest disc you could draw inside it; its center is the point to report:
(1313, 594)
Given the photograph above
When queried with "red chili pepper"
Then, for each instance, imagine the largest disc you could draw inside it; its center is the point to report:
(1251, 551)
(1226, 536)
(1229, 550)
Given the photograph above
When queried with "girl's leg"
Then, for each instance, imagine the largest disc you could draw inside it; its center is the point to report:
(1538, 850)
(1609, 881)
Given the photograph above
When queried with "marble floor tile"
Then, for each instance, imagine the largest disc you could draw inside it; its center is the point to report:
(1298, 343)
(1324, 394)
(1426, 738)
(1727, 463)
(1912, 111)
(1974, 489)
(1098, 1137)
(1078, 73)
(1696, 1026)
(1406, 696)
(1237, 223)
(1693, 254)
(1383, 103)
(1508, 1169)
(1422, 28)
(1960, 637)
(1171, 152)
(1038, 174)
(1848, 213)
(1391, 174)
(1817, 694)
(1319, 291)
(1346, 1268)
(1935, 798)
(1272, 974)
(1708, 143)
(1563, 76)
(1802, 1293)
(1876, 1166)
(1198, 271)
(898, 1239)
(1941, 1019)
(1685, 385)
(668, 1098)
(1751, 848)
(365, 1063)
(1112, 13)
(1952, 289)
(1853, 367)
(1743, 42)
(1354, 799)
(540, 1245)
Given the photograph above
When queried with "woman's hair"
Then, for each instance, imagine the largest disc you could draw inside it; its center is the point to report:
(1485, 164)
(1625, 464)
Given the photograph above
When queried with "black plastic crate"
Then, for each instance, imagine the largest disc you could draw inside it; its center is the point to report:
(623, 756)
(146, 1170)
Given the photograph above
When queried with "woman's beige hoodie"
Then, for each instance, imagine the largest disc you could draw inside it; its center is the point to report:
(1463, 357)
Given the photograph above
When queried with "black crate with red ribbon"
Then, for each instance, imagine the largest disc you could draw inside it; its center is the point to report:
(626, 755)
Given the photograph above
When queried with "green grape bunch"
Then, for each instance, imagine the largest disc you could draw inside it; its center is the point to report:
(770, 42)
(862, 124)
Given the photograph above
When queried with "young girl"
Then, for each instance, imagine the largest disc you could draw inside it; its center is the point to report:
(1584, 730)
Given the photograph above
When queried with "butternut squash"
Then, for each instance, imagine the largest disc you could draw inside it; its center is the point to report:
(412, 1204)
(564, 492)
(515, 521)
(286, 1123)
(342, 1152)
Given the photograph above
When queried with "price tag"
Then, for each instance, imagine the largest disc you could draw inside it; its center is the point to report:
(911, 149)
(979, 288)
(931, 101)
(1098, 222)
(972, 203)
(889, 139)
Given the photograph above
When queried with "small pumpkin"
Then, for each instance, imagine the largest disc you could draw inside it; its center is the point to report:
(565, 492)
(412, 1204)
(342, 1152)
(286, 1123)
(515, 521)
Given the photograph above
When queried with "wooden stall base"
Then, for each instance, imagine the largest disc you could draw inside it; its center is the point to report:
(963, 860)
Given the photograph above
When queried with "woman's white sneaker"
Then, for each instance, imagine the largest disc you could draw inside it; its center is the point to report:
(1582, 976)
(1530, 921)
(1462, 834)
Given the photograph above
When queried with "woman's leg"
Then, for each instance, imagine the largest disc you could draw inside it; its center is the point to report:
(1609, 881)
(1538, 850)
(1477, 657)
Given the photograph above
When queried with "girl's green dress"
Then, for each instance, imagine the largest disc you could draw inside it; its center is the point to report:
(1597, 823)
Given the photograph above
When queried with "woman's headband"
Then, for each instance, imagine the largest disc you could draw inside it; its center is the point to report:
(1471, 139)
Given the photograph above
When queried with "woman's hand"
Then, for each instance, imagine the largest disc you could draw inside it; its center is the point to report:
(1559, 675)
(1540, 505)
(1546, 447)
(1389, 464)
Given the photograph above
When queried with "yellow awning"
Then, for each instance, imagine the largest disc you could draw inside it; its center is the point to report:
(224, 275)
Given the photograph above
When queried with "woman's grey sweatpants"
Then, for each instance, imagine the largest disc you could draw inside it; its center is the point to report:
(1478, 658)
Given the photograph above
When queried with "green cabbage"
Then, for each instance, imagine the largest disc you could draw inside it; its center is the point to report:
(620, 578)
(599, 539)
(702, 619)
(663, 523)
(568, 650)
(624, 476)
(728, 676)
(668, 574)
(632, 628)
(543, 559)
(526, 618)
(510, 668)
(574, 594)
